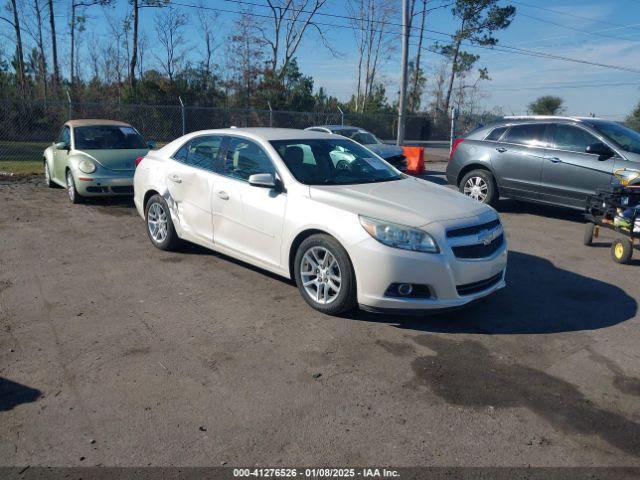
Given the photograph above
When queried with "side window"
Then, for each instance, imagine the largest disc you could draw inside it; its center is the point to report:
(202, 152)
(531, 135)
(245, 158)
(573, 139)
(496, 133)
(181, 155)
(65, 135)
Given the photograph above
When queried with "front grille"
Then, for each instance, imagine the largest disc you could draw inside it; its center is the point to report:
(478, 250)
(475, 287)
(125, 189)
(473, 230)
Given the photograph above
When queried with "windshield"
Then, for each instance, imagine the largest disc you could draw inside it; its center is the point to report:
(333, 162)
(107, 137)
(623, 137)
(365, 138)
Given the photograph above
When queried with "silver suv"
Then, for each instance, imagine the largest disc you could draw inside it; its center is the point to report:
(553, 160)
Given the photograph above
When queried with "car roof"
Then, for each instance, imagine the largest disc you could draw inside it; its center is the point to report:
(337, 127)
(548, 118)
(264, 134)
(86, 122)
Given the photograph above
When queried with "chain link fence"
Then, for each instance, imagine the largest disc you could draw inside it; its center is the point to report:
(28, 127)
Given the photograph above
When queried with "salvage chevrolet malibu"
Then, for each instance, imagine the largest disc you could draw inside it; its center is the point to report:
(322, 210)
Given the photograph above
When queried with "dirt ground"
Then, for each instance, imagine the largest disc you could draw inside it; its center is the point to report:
(115, 353)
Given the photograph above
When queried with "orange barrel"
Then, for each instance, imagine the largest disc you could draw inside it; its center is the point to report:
(415, 159)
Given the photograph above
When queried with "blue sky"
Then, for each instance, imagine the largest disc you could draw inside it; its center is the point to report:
(516, 79)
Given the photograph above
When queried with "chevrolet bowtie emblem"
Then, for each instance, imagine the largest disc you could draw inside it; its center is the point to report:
(487, 236)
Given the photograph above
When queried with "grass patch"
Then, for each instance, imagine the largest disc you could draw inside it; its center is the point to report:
(20, 166)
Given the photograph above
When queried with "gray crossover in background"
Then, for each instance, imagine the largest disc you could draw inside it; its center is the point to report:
(554, 160)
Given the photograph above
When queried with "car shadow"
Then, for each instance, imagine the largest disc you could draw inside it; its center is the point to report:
(13, 394)
(114, 206)
(539, 298)
(466, 373)
(188, 248)
(434, 176)
(549, 211)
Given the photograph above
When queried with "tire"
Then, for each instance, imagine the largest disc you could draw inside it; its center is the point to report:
(158, 210)
(486, 191)
(47, 176)
(72, 192)
(323, 296)
(621, 250)
(589, 230)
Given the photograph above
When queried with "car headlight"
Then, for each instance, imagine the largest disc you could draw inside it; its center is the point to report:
(399, 236)
(87, 166)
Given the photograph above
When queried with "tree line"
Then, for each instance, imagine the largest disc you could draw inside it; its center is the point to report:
(49, 48)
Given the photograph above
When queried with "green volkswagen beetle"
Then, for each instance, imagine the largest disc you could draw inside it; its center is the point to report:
(94, 158)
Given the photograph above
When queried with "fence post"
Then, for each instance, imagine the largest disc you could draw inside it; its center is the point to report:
(341, 116)
(184, 117)
(270, 114)
(454, 114)
(70, 113)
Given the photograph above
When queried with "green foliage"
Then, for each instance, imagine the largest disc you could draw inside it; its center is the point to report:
(546, 105)
(633, 120)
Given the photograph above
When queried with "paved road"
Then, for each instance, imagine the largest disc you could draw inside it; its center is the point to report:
(114, 353)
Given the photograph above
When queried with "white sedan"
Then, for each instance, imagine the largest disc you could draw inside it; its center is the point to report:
(349, 233)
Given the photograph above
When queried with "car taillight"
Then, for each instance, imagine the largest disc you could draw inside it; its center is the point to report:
(456, 142)
(138, 160)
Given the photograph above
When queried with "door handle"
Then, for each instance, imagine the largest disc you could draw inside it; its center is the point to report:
(174, 178)
(555, 160)
(501, 149)
(223, 195)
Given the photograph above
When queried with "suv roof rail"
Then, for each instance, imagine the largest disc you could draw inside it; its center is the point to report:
(549, 117)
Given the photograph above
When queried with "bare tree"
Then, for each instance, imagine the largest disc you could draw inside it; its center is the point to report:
(15, 23)
(143, 43)
(78, 20)
(54, 45)
(169, 27)
(375, 40)
(415, 92)
(291, 19)
(207, 23)
(245, 53)
(35, 29)
(136, 5)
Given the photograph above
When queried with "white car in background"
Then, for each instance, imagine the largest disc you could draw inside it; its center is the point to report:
(348, 232)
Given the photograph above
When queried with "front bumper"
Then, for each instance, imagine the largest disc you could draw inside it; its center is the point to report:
(104, 186)
(452, 282)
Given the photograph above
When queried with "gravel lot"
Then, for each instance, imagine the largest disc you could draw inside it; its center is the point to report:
(115, 353)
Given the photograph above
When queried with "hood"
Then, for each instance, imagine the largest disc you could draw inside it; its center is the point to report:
(411, 201)
(113, 159)
(385, 151)
(632, 156)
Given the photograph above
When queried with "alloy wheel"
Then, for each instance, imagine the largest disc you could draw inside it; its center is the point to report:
(476, 188)
(321, 276)
(157, 222)
(71, 188)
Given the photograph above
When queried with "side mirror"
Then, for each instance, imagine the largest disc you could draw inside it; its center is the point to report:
(263, 180)
(600, 149)
(62, 146)
(152, 144)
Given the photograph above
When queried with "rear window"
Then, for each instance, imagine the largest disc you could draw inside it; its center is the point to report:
(531, 135)
(495, 135)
